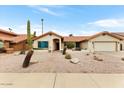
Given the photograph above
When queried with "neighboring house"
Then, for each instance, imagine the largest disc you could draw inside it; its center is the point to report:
(103, 41)
(12, 40)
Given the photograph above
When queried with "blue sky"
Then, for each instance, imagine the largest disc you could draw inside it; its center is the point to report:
(75, 19)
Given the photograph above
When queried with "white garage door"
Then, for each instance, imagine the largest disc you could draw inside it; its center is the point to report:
(105, 46)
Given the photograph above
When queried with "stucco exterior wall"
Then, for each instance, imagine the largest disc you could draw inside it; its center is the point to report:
(49, 38)
(62, 45)
(45, 38)
(84, 45)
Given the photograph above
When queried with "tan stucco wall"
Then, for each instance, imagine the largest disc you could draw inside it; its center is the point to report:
(103, 38)
(62, 45)
(45, 38)
(48, 38)
(84, 45)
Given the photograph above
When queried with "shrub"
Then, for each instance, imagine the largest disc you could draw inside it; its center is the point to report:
(68, 56)
(70, 45)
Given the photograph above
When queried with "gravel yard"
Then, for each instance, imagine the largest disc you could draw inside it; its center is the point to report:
(56, 63)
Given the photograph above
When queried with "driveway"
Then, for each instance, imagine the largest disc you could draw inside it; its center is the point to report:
(113, 54)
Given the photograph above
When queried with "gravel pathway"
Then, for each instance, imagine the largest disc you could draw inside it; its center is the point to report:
(44, 62)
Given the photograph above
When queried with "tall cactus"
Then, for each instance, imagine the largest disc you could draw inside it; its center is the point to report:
(29, 41)
(29, 37)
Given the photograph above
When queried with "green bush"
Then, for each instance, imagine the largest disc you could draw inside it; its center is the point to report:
(70, 45)
(67, 56)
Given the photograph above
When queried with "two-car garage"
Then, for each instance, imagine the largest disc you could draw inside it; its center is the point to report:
(105, 46)
(104, 41)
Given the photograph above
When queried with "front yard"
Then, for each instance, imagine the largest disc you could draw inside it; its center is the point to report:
(56, 63)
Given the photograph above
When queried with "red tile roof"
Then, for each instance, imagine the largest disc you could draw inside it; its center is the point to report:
(19, 38)
(8, 32)
(15, 39)
(75, 38)
(3, 38)
(120, 34)
(108, 33)
(48, 33)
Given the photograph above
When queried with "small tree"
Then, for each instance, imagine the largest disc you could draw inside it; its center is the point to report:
(70, 45)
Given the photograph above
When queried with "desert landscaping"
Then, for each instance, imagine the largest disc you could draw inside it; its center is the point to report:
(45, 62)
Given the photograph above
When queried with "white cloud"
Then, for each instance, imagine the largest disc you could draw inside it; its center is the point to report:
(45, 10)
(48, 11)
(22, 29)
(108, 23)
(60, 32)
(4, 27)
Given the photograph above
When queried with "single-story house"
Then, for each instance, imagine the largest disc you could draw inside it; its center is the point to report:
(103, 41)
(50, 41)
(11, 40)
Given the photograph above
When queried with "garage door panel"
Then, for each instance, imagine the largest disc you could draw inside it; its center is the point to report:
(105, 46)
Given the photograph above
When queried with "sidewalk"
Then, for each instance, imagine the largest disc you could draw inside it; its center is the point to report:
(61, 80)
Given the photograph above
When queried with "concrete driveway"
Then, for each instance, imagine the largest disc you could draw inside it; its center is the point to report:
(113, 54)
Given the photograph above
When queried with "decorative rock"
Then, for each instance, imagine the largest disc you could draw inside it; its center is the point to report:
(122, 58)
(75, 60)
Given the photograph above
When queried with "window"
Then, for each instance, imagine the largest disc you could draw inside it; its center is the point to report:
(121, 47)
(42, 44)
(1, 44)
